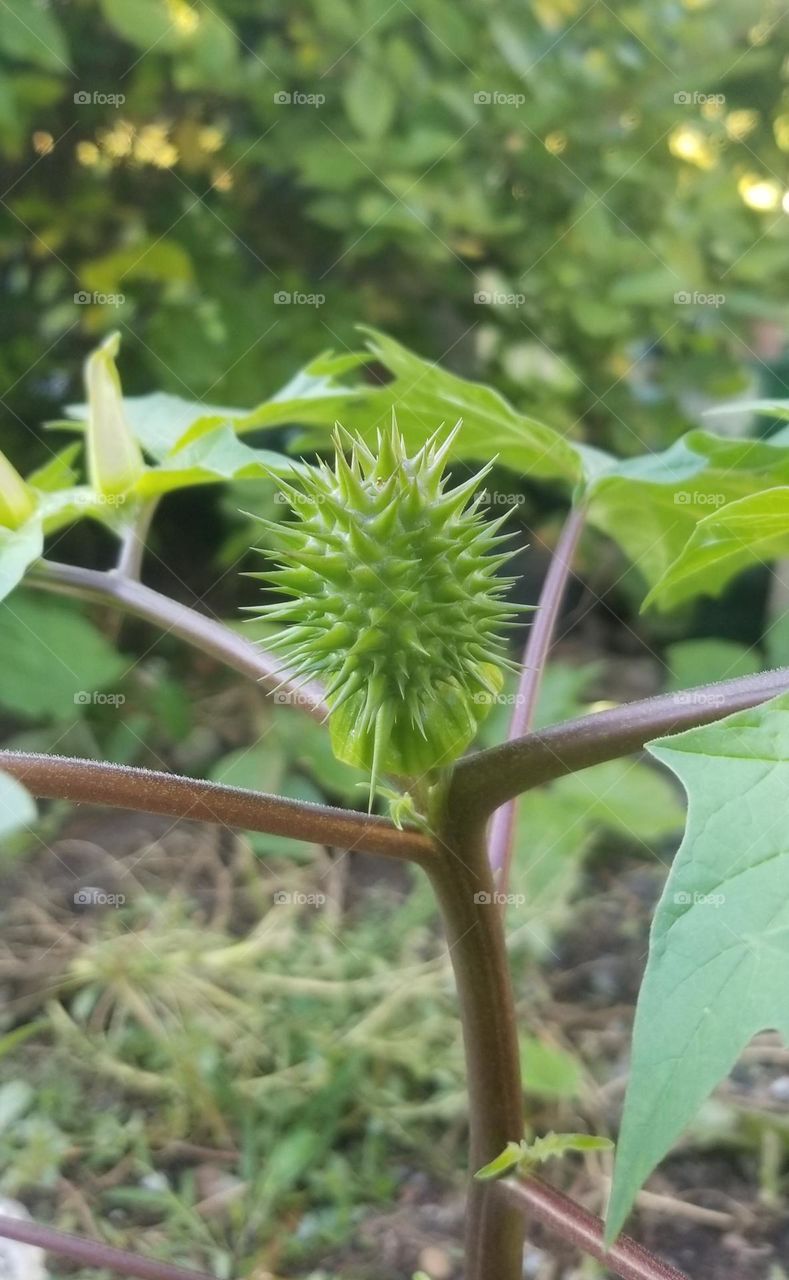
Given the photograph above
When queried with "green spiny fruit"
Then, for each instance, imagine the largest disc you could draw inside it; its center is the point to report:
(394, 602)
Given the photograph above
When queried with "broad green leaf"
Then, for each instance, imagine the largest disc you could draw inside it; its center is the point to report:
(219, 455)
(158, 420)
(752, 530)
(624, 796)
(556, 825)
(163, 423)
(16, 1096)
(54, 660)
(260, 767)
(17, 807)
(160, 260)
(775, 408)
(719, 948)
(369, 101)
(425, 396)
(548, 1071)
(145, 23)
(59, 472)
(652, 505)
(32, 33)
(18, 549)
(692, 662)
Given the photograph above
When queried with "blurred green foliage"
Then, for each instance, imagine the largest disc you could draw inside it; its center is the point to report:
(581, 165)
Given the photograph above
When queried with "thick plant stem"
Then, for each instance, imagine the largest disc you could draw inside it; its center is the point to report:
(535, 656)
(461, 878)
(206, 634)
(560, 1215)
(489, 778)
(148, 791)
(93, 1253)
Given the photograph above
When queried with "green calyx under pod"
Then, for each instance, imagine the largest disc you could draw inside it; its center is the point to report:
(393, 602)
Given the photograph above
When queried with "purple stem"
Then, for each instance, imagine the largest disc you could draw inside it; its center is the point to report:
(148, 791)
(568, 1220)
(535, 655)
(92, 1253)
(489, 778)
(206, 634)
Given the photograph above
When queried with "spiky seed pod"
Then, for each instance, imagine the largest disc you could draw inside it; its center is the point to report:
(394, 602)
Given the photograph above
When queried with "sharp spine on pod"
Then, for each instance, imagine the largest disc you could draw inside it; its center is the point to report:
(393, 601)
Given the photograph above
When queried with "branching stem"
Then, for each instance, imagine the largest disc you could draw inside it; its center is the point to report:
(94, 782)
(488, 779)
(462, 881)
(207, 634)
(568, 1220)
(93, 1253)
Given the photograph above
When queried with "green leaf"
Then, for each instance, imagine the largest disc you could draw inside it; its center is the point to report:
(32, 33)
(145, 23)
(163, 423)
(558, 1144)
(16, 1096)
(163, 261)
(773, 408)
(524, 1155)
(158, 420)
(623, 796)
(220, 455)
(260, 767)
(507, 1160)
(548, 1071)
(59, 472)
(18, 549)
(369, 101)
(652, 505)
(424, 396)
(51, 656)
(716, 973)
(17, 807)
(749, 531)
(692, 662)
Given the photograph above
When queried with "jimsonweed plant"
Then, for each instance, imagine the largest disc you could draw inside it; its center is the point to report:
(387, 611)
